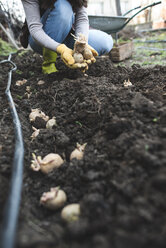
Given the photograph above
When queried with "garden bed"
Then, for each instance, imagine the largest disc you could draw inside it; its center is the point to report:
(121, 181)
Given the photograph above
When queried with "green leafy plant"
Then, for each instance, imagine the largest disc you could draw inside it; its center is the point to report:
(31, 73)
(6, 48)
(19, 72)
(19, 97)
(155, 119)
(79, 123)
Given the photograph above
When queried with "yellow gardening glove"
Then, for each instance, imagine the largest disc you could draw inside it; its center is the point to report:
(66, 54)
(81, 66)
(94, 52)
(67, 57)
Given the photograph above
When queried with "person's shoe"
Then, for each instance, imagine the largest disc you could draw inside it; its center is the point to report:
(48, 65)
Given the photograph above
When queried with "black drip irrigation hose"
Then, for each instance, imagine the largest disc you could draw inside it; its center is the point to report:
(9, 224)
(150, 41)
(151, 48)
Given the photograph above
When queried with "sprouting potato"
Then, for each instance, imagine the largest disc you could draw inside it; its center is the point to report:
(87, 53)
(78, 57)
(71, 212)
(41, 82)
(78, 153)
(127, 83)
(53, 199)
(50, 123)
(21, 82)
(47, 164)
(37, 113)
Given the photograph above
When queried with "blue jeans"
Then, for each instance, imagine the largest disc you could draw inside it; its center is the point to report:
(57, 23)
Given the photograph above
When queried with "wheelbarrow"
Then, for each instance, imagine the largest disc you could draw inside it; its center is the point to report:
(113, 24)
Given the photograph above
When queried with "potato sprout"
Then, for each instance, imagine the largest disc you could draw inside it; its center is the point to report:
(47, 164)
(71, 212)
(28, 92)
(80, 43)
(50, 123)
(78, 153)
(37, 113)
(28, 89)
(53, 199)
(127, 83)
(35, 133)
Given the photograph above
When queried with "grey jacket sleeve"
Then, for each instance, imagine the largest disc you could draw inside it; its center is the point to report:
(32, 12)
(82, 22)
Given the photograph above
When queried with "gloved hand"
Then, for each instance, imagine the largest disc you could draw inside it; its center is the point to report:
(66, 54)
(94, 52)
(67, 57)
(92, 59)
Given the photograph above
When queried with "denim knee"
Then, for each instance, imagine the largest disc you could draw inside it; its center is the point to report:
(100, 41)
(108, 44)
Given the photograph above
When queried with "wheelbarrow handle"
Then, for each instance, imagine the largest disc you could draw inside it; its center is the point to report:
(131, 10)
(150, 5)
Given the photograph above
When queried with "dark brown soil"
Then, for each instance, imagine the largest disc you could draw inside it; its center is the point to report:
(121, 181)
